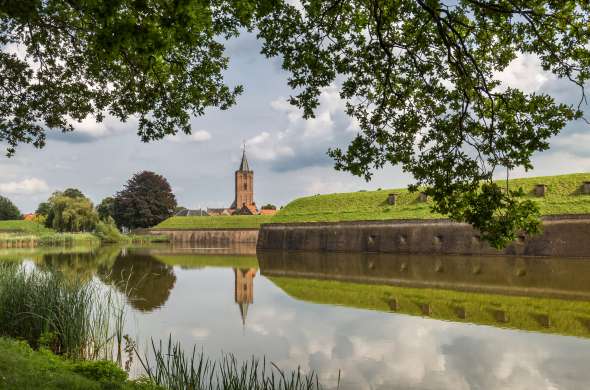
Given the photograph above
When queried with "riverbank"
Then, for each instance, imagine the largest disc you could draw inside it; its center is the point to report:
(29, 234)
(21, 367)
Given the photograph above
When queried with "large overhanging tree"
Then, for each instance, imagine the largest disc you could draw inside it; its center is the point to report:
(418, 75)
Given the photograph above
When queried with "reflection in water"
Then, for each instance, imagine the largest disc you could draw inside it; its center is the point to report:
(146, 281)
(311, 312)
(388, 283)
(244, 290)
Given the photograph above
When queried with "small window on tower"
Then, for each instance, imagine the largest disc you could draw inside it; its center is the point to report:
(245, 185)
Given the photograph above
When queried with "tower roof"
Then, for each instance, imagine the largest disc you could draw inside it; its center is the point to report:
(244, 167)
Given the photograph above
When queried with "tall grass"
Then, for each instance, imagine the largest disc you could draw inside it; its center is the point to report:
(30, 240)
(72, 317)
(173, 369)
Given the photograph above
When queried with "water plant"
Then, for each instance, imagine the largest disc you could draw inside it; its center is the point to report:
(72, 317)
(171, 367)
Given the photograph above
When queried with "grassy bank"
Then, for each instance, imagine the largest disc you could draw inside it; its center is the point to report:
(29, 234)
(563, 197)
(70, 329)
(525, 313)
(21, 367)
(215, 222)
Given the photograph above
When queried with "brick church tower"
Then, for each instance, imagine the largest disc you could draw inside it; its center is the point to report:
(244, 189)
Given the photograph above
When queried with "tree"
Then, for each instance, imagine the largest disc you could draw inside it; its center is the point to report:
(159, 60)
(106, 208)
(145, 201)
(71, 214)
(8, 211)
(269, 207)
(73, 193)
(43, 209)
(419, 77)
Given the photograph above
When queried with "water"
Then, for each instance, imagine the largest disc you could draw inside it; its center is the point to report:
(382, 322)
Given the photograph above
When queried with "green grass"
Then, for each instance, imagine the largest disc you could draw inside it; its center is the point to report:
(23, 227)
(26, 369)
(201, 261)
(563, 197)
(215, 222)
(525, 313)
(44, 239)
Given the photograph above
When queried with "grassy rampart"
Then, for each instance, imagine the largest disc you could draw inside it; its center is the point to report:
(564, 196)
(215, 222)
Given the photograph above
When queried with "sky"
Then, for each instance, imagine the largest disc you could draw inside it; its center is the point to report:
(286, 152)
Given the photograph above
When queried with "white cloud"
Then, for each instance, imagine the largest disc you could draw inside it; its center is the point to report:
(195, 136)
(25, 187)
(525, 73)
(304, 142)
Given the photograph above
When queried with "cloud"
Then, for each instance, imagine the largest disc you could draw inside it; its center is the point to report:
(304, 143)
(89, 130)
(200, 333)
(25, 187)
(195, 136)
(525, 73)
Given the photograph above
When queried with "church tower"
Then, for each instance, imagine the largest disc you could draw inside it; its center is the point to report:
(244, 189)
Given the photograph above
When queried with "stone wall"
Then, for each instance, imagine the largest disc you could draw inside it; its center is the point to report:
(210, 237)
(562, 236)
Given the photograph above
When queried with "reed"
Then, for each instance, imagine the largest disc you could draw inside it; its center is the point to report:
(30, 240)
(72, 317)
(174, 369)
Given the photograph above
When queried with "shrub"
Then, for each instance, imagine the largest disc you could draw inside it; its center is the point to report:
(269, 207)
(8, 210)
(101, 370)
(107, 231)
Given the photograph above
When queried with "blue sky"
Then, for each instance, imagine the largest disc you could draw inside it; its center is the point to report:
(287, 153)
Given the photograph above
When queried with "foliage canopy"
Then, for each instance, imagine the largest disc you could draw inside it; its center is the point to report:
(71, 214)
(419, 77)
(8, 210)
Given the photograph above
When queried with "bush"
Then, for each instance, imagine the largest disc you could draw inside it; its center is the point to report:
(8, 210)
(104, 371)
(107, 231)
(269, 207)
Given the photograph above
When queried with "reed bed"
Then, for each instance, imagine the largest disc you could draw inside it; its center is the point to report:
(28, 240)
(74, 318)
(171, 368)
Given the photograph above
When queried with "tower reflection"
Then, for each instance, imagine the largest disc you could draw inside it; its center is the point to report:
(244, 290)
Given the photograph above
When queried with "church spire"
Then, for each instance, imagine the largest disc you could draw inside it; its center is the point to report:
(244, 167)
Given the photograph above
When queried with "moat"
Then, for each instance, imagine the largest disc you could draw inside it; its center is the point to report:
(377, 321)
